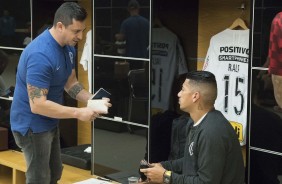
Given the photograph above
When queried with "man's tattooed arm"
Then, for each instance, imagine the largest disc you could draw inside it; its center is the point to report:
(75, 89)
(35, 92)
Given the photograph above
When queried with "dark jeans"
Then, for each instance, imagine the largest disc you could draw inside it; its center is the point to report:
(43, 156)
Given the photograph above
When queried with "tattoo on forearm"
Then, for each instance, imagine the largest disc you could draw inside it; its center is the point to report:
(35, 92)
(75, 89)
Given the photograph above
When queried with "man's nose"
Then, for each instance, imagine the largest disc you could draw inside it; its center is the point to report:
(178, 94)
(80, 35)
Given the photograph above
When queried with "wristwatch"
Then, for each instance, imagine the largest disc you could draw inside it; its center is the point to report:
(167, 177)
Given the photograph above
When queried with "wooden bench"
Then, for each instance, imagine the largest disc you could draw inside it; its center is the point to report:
(13, 168)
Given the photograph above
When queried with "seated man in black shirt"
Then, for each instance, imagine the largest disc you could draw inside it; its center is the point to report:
(212, 152)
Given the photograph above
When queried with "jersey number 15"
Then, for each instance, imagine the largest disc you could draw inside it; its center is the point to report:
(238, 94)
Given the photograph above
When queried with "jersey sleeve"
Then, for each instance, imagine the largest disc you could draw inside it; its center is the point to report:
(182, 64)
(208, 57)
(86, 53)
(173, 165)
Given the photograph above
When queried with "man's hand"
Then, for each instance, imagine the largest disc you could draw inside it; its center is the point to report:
(120, 37)
(86, 114)
(154, 173)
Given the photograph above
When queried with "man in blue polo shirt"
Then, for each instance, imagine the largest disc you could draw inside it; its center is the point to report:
(135, 31)
(45, 71)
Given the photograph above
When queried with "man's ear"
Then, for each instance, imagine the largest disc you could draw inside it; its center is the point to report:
(60, 26)
(195, 96)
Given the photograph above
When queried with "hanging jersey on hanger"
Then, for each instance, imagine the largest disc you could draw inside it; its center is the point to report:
(168, 61)
(86, 58)
(228, 59)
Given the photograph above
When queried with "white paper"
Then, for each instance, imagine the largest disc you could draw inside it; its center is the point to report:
(98, 105)
(92, 181)
(88, 149)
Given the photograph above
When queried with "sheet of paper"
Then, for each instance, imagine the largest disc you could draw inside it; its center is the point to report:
(88, 149)
(92, 181)
(98, 105)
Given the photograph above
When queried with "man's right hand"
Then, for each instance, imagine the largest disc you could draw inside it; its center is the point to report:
(120, 37)
(87, 114)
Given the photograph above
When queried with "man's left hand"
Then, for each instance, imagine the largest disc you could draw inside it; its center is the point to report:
(154, 173)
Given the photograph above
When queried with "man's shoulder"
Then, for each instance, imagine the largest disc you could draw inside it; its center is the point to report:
(215, 120)
(134, 18)
(38, 47)
(216, 114)
(143, 18)
(43, 44)
(216, 125)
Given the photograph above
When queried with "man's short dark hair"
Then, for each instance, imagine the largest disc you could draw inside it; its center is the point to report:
(133, 4)
(69, 11)
(205, 83)
(201, 76)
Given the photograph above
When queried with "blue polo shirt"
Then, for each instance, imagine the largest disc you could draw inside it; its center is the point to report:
(44, 64)
(136, 31)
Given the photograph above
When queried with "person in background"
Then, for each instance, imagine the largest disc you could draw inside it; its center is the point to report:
(265, 168)
(274, 57)
(46, 69)
(27, 39)
(4, 60)
(212, 151)
(4, 90)
(7, 29)
(46, 25)
(135, 32)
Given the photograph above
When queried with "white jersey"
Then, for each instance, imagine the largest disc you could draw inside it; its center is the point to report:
(86, 58)
(168, 61)
(228, 59)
